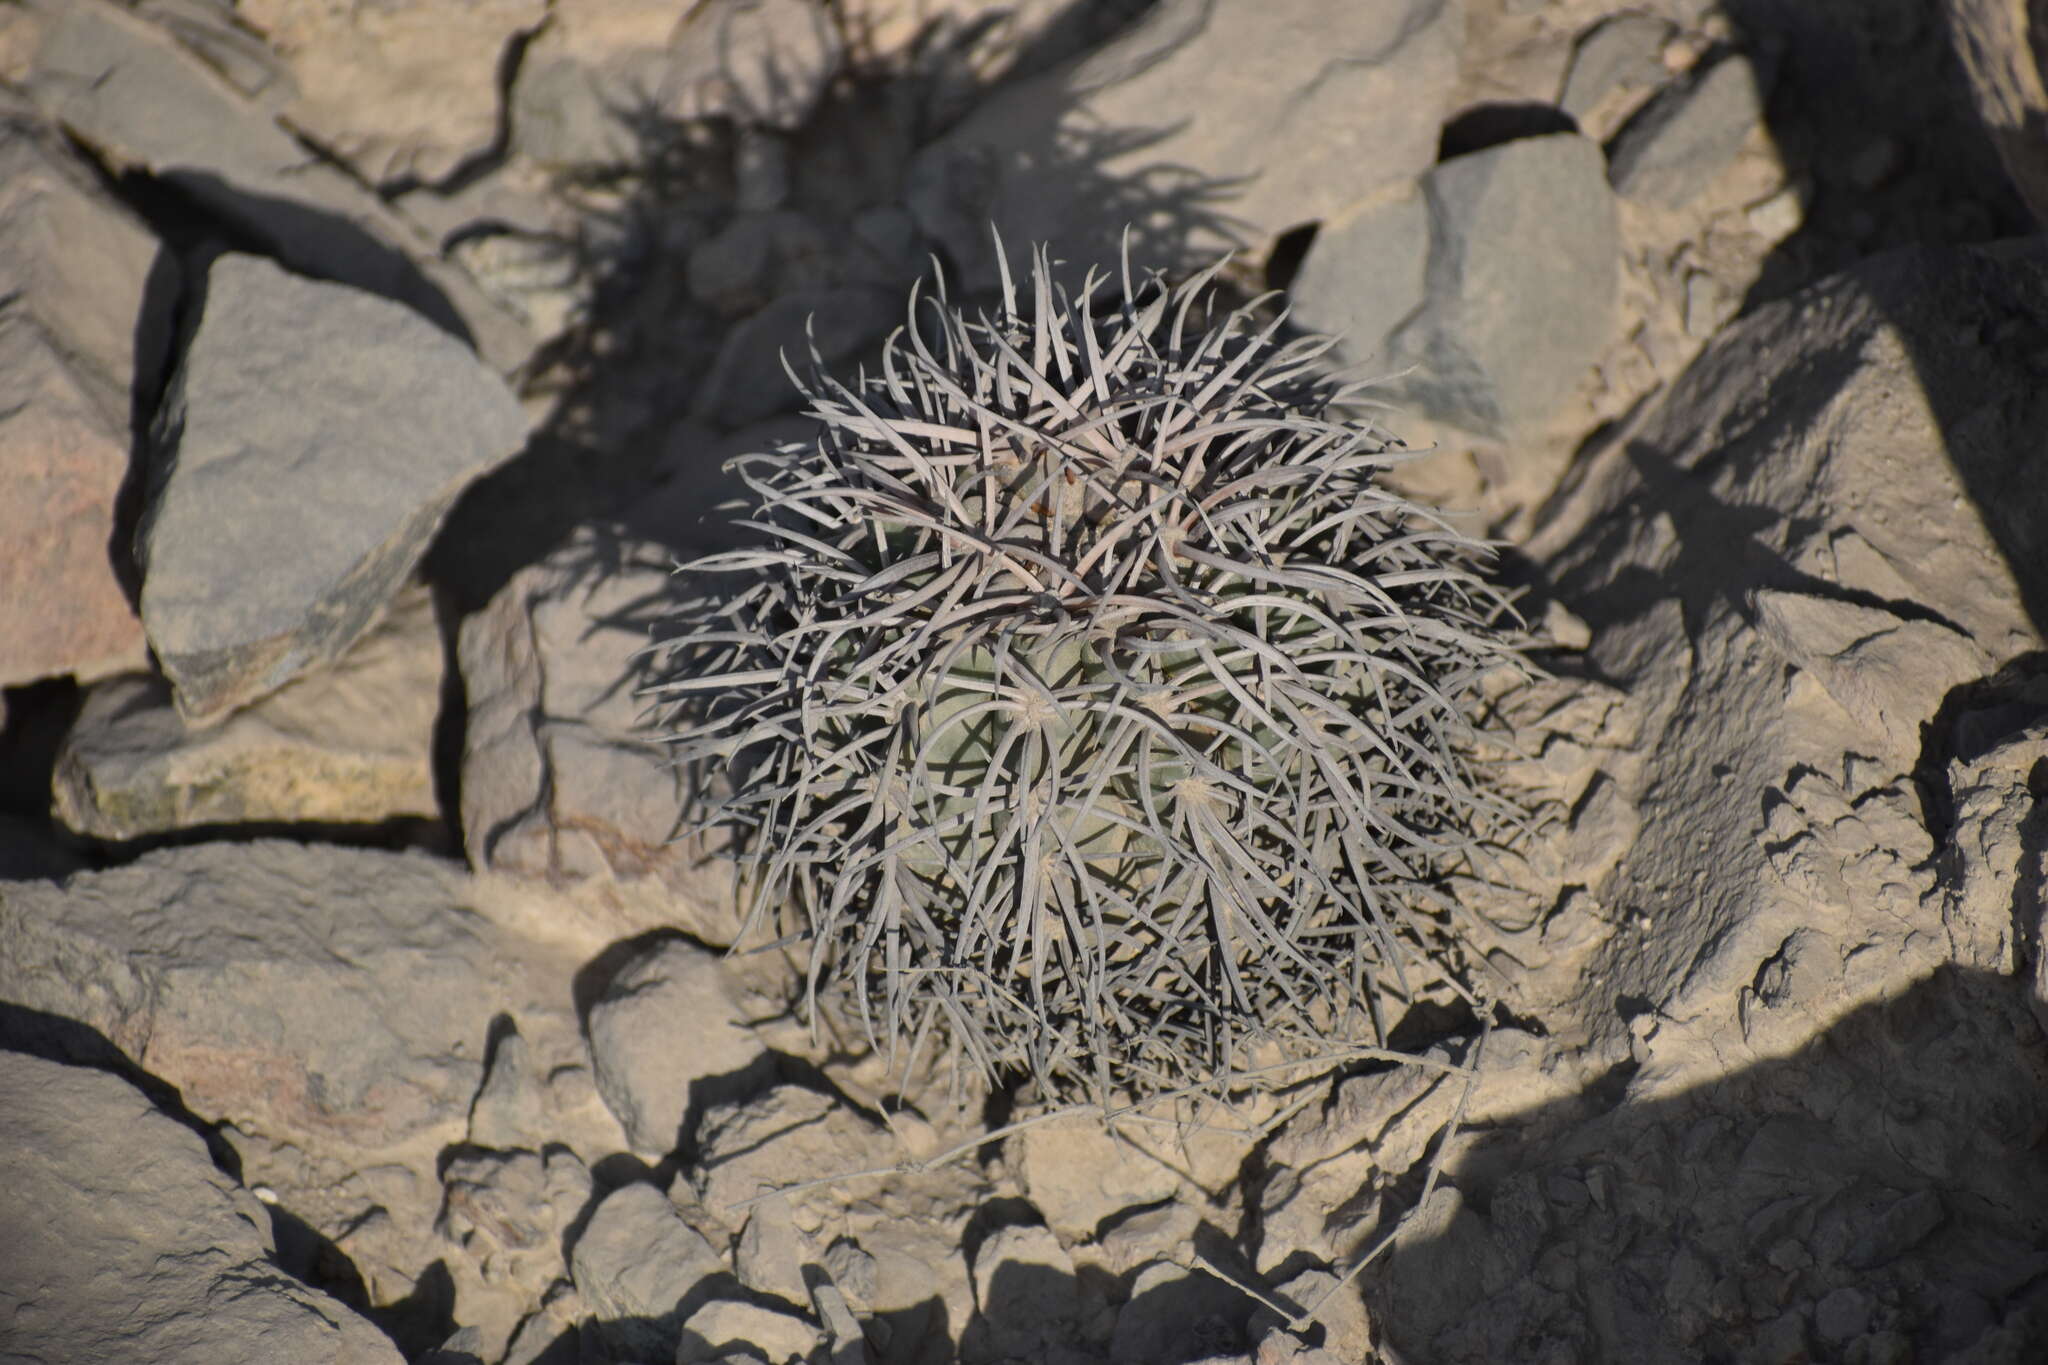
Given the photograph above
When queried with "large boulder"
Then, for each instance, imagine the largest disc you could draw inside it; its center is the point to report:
(140, 99)
(312, 440)
(125, 1242)
(1174, 127)
(75, 273)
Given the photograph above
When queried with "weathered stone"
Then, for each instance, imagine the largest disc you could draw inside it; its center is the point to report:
(349, 744)
(340, 993)
(1496, 277)
(509, 1110)
(763, 63)
(1686, 136)
(132, 93)
(666, 1038)
(1617, 52)
(1076, 1173)
(723, 1325)
(635, 1263)
(1171, 128)
(405, 92)
(562, 785)
(1176, 1314)
(506, 1213)
(124, 1242)
(748, 383)
(2002, 45)
(1025, 1289)
(75, 269)
(312, 440)
(756, 1146)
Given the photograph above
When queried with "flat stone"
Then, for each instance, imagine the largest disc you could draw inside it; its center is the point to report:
(125, 1242)
(1171, 127)
(1177, 1314)
(304, 990)
(401, 93)
(1076, 1173)
(562, 784)
(635, 1262)
(312, 440)
(79, 267)
(1617, 52)
(139, 98)
(724, 1325)
(1496, 278)
(1669, 152)
(349, 744)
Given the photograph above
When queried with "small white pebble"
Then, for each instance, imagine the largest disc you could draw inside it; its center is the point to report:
(264, 1194)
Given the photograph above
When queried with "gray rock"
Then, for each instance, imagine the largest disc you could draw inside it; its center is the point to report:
(760, 63)
(77, 264)
(1669, 152)
(506, 1214)
(638, 1260)
(562, 785)
(349, 744)
(748, 383)
(1496, 278)
(127, 89)
(309, 992)
(1172, 127)
(1176, 1314)
(665, 1037)
(1077, 1173)
(723, 1325)
(1617, 52)
(1025, 1290)
(509, 1110)
(401, 93)
(312, 440)
(770, 1254)
(125, 1242)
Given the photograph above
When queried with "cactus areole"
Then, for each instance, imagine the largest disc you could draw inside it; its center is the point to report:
(1091, 708)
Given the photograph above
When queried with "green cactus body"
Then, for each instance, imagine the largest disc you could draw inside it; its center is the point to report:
(1092, 706)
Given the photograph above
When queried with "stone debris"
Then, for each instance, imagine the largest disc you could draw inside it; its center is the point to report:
(261, 457)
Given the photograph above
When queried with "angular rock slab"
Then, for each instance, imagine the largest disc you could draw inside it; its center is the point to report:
(140, 98)
(305, 991)
(349, 744)
(561, 784)
(125, 1242)
(74, 268)
(1205, 126)
(667, 1035)
(1495, 278)
(312, 440)
(399, 92)
(1833, 521)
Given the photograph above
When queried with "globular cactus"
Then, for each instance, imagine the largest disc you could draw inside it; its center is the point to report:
(1092, 706)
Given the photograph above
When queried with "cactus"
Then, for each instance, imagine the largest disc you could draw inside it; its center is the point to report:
(1091, 707)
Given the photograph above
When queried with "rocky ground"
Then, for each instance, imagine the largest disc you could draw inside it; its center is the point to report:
(363, 369)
